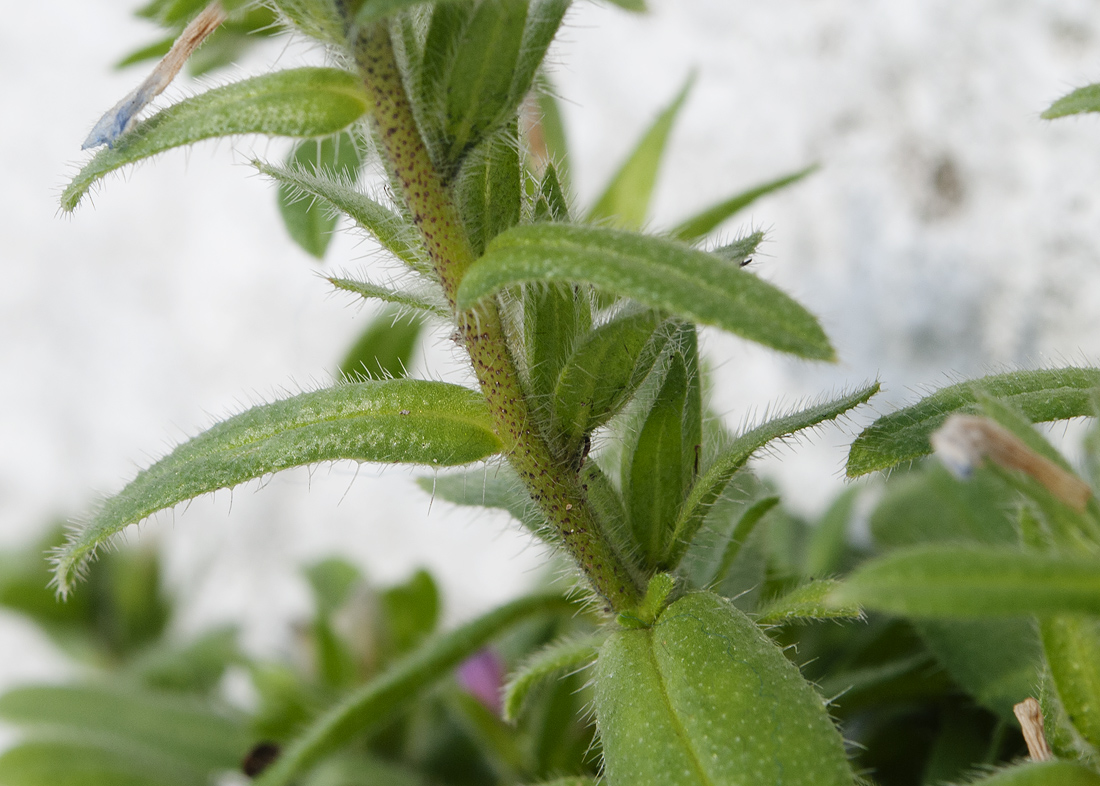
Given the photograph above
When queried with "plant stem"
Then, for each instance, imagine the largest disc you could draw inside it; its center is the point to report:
(552, 484)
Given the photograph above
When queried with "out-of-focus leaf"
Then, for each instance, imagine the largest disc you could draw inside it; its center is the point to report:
(1083, 99)
(1045, 773)
(332, 581)
(717, 476)
(375, 702)
(637, 6)
(568, 654)
(385, 349)
(412, 611)
(1050, 394)
(491, 487)
(391, 230)
(807, 602)
(196, 667)
(66, 763)
(1072, 647)
(310, 224)
(354, 769)
(495, 739)
(304, 102)
(705, 222)
(740, 535)
(395, 421)
(174, 727)
(974, 581)
(153, 51)
(625, 201)
(658, 273)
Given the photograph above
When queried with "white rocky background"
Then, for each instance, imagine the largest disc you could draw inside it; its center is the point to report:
(950, 232)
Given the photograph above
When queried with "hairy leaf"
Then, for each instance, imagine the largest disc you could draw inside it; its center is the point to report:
(705, 222)
(568, 654)
(385, 348)
(974, 581)
(1072, 647)
(1083, 99)
(625, 202)
(377, 701)
(392, 231)
(316, 18)
(740, 535)
(807, 602)
(401, 298)
(694, 701)
(303, 102)
(1041, 773)
(495, 487)
(396, 421)
(717, 476)
(487, 190)
(311, 224)
(656, 272)
(554, 317)
(1050, 394)
(374, 10)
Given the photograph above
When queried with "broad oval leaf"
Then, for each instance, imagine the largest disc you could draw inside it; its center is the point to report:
(656, 272)
(705, 698)
(395, 421)
(1083, 99)
(1049, 394)
(303, 102)
(974, 581)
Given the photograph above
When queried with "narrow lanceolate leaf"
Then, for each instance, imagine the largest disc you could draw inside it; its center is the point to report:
(625, 202)
(391, 230)
(561, 656)
(316, 18)
(397, 421)
(310, 224)
(553, 318)
(54, 762)
(808, 602)
(377, 701)
(304, 102)
(487, 189)
(1049, 394)
(1072, 646)
(1045, 773)
(176, 728)
(717, 476)
(385, 349)
(706, 221)
(496, 487)
(704, 698)
(1083, 99)
(656, 272)
(974, 581)
(398, 297)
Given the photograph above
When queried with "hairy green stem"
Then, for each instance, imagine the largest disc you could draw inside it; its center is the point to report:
(552, 483)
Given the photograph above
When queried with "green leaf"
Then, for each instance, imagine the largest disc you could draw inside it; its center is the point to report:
(1083, 99)
(658, 273)
(359, 769)
(1045, 773)
(153, 51)
(603, 372)
(702, 224)
(686, 703)
(739, 251)
(412, 611)
(1050, 394)
(385, 349)
(396, 421)
(550, 203)
(188, 732)
(828, 544)
(807, 602)
(304, 102)
(1072, 647)
(391, 230)
(630, 5)
(374, 703)
(374, 10)
(487, 189)
(368, 290)
(66, 763)
(332, 581)
(311, 224)
(554, 318)
(740, 535)
(490, 487)
(710, 485)
(316, 18)
(554, 139)
(570, 654)
(974, 581)
(196, 667)
(625, 201)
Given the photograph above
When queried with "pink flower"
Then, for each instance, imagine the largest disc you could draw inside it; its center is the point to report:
(483, 677)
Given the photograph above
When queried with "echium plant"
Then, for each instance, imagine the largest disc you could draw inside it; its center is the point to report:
(581, 332)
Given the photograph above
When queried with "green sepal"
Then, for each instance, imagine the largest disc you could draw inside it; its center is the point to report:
(703, 223)
(571, 654)
(807, 602)
(310, 225)
(961, 581)
(181, 729)
(603, 372)
(625, 201)
(550, 202)
(739, 251)
(372, 704)
(714, 479)
(413, 300)
(395, 234)
(303, 102)
(385, 349)
(659, 273)
(1072, 647)
(657, 594)
(1083, 99)
(1049, 394)
(395, 421)
(554, 318)
(684, 703)
(553, 135)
